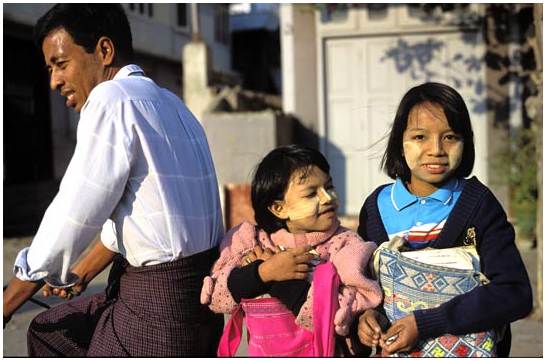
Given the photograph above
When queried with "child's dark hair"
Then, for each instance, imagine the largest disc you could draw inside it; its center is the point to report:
(272, 177)
(86, 23)
(393, 162)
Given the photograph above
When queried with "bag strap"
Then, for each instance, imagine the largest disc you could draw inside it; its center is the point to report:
(231, 337)
(325, 305)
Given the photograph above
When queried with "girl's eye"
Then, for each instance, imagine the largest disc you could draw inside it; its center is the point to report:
(311, 195)
(453, 137)
(418, 137)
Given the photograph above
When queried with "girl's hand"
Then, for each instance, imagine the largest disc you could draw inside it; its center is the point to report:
(370, 326)
(257, 253)
(404, 332)
(286, 265)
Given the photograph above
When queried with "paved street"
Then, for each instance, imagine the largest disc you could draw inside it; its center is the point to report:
(526, 334)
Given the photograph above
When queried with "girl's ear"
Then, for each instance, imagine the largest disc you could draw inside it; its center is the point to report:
(278, 210)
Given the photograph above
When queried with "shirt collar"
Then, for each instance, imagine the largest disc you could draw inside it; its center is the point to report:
(445, 192)
(128, 70)
(401, 197)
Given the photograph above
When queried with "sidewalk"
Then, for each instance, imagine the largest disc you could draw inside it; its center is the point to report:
(526, 334)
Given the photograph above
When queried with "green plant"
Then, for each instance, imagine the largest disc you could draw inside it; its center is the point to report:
(520, 165)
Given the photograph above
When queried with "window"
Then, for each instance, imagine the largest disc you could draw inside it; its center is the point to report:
(142, 9)
(378, 11)
(182, 15)
(221, 24)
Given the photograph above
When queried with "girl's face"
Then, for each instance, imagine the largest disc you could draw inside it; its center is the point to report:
(432, 150)
(309, 203)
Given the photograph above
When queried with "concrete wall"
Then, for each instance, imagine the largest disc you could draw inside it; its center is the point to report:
(238, 141)
(146, 33)
(299, 64)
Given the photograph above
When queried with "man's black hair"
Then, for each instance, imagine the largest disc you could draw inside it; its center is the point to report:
(457, 116)
(86, 23)
(272, 177)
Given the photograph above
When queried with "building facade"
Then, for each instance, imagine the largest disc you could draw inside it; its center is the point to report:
(345, 69)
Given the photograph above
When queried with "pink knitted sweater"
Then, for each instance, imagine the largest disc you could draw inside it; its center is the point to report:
(343, 247)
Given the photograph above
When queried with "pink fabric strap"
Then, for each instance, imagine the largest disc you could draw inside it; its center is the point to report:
(231, 337)
(325, 304)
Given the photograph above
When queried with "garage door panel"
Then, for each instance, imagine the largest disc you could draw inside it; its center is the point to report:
(342, 83)
(347, 131)
(361, 110)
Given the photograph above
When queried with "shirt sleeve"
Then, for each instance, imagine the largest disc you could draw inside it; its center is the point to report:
(245, 282)
(351, 255)
(92, 186)
(108, 236)
(215, 292)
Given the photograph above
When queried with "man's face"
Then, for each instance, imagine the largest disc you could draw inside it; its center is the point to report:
(74, 72)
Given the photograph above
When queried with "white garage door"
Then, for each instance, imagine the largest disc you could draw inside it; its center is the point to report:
(365, 79)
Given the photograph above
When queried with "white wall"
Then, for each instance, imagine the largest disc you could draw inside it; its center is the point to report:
(299, 63)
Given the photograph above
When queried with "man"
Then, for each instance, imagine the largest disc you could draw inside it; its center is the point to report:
(142, 172)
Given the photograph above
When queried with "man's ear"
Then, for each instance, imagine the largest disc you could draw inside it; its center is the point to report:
(278, 209)
(106, 51)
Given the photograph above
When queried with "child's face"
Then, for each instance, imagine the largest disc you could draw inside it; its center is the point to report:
(431, 148)
(309, 203)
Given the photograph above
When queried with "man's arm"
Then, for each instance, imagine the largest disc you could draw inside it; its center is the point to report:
(17, 293)
(91, 264)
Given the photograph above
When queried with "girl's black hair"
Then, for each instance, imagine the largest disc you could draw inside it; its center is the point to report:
(86, 23)
(393, 162)
(272, 177)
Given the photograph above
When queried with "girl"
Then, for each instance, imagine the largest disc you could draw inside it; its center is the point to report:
(295, 206)
(431, 204)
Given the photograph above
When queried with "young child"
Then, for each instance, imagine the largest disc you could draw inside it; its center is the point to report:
(431, 204)
(295, 209)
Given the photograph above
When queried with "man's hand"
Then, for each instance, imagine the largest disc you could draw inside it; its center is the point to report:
(65, 293)
(370, 326)
(291, 264)
(404, 332)
(91, 264)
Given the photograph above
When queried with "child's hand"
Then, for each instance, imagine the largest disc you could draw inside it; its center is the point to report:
(286, 265)
(404, 332)
(370, 326)
(257, 253)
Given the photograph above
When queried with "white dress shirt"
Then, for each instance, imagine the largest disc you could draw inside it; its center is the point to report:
(141, 160)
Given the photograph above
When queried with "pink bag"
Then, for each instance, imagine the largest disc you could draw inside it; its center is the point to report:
(271, 327)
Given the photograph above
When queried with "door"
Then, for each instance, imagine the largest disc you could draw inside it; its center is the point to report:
(366, 78)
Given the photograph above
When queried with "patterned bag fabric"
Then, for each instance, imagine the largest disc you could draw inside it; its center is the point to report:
(410, 285)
